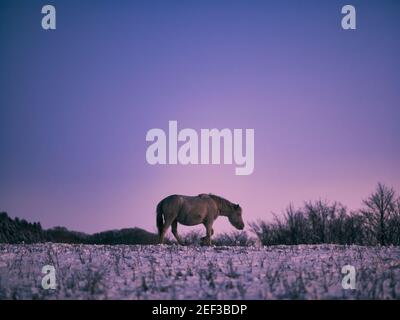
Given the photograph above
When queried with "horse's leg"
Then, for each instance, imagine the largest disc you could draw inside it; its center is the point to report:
(175, 231)
(209, 232)
(165, 227)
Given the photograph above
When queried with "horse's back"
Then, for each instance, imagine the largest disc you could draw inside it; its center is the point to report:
(201, 203)
(187, 203)
(188, 209)
(181, 197)
(172, 200)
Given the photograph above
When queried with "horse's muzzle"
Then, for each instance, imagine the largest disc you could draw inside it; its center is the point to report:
(240, 227)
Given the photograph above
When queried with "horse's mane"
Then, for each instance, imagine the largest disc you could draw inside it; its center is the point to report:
(222, 203)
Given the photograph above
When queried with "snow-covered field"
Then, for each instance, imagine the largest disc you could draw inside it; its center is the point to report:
(175, 272)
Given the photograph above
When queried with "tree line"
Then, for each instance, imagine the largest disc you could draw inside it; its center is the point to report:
(376, 223)
(316, 222)
(20, 231)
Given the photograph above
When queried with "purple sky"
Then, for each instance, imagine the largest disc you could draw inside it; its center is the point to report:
(76, 104)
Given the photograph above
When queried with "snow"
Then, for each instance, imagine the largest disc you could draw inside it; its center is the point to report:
(191, 272)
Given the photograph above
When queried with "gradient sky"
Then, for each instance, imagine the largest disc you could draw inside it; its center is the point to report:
(76, 104)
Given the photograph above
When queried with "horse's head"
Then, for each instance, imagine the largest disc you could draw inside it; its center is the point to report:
(235, 217)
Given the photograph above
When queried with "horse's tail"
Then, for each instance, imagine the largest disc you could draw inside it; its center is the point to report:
(160, 219)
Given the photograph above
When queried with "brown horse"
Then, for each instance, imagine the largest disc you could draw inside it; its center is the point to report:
(190, 211)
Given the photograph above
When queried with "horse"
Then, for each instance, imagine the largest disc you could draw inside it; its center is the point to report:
(193, 210)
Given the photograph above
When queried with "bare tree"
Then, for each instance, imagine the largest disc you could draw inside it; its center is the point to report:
(320, 214)
(296, 225)
(393, 227)
(378, 207)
